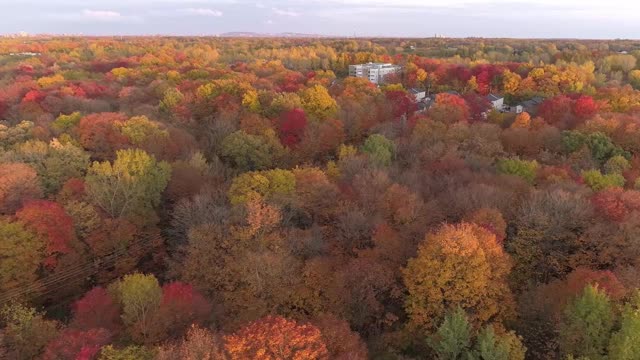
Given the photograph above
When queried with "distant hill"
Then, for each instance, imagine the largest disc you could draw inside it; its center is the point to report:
(257, 35)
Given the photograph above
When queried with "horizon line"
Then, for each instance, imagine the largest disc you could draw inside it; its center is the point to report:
(289, 34)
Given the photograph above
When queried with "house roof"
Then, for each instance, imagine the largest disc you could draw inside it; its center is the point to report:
(494, 97)
(535, 101)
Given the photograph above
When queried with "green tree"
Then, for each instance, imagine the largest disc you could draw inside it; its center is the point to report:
(379, 148)
(252, 152)
(15, 134)
(64, 123)
(55, 162)
(267, 183)
(587, 325)
(625, 343)
(599, 144)
(521, 168)
(597, 181)
(573, 140)
(492, 346)
(602, 148)
(132, 185)
(172, 98)
(455, 339)
(139, 128)
(617, 165)
(128, 353)
(283, 102)
(26, 331)
(452, 340)
(21, 253)
(139, 295)
(634, 78)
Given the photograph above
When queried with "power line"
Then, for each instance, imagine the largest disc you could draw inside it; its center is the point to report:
(77, 270)
(58, 281)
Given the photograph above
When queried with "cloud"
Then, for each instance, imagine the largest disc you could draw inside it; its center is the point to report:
(101, 14)
(91, 16)
(269, 22)
(202, 12)
(282, 12)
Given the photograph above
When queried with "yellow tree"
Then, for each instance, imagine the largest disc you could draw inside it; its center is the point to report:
(462, 266)
(634, 78)
(49, 81)
(510, 82)
(132, 185)
(318, 103)
(251, 101)
(421, 75)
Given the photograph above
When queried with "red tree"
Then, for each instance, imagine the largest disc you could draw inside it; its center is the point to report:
(291, 82)
(478, 105)
(606, 280)
(557, 294)
(484, 82)
(25, 69)
(34, 96)
(18, 183)
(3, 108)
(292, 126)
(180, 307)
(74, 344)
(49, 220)
(558, 111)
(585, 107)
(92, 89)
(99, 134)
(616, 203)
(401, 102)
(449, 108)
(72, 190)
(342, 342)
(96, 309)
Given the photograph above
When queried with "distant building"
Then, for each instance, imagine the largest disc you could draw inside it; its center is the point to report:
(418, 95)
(424, 105)
(531, 105)
(517, 109)
(375, 72)
(497, 102)
(25, 54)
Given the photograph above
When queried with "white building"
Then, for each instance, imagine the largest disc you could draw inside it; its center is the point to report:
(496, 101)
(516, 109)
(375, 72)
(418, 95)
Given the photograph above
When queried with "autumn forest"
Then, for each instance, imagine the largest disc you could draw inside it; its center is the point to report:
(207, 198)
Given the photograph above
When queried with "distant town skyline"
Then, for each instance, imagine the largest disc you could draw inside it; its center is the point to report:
(585, 19)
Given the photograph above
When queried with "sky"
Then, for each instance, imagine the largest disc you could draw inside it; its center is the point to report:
(590, 19)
